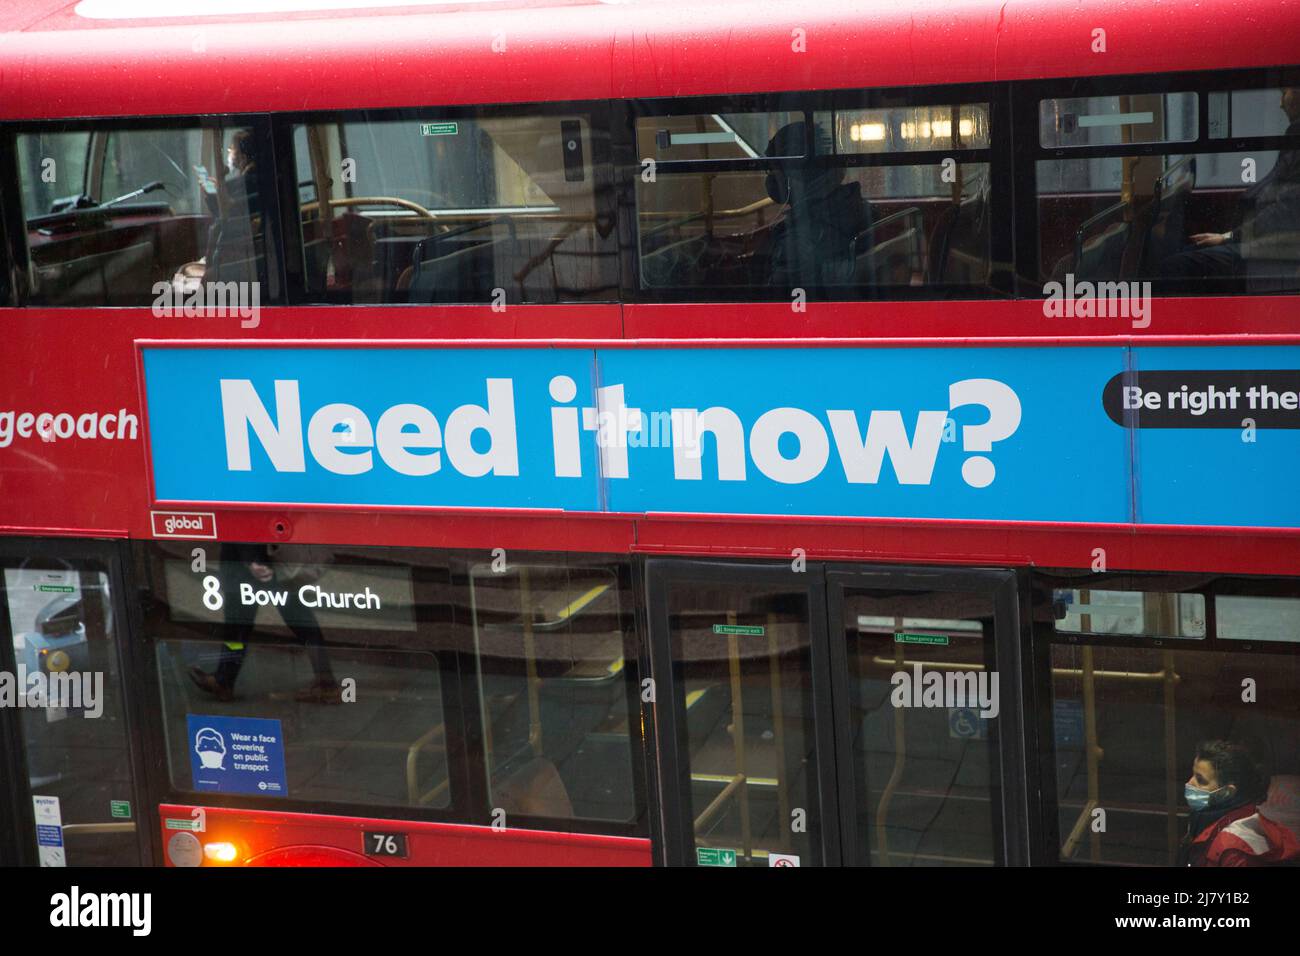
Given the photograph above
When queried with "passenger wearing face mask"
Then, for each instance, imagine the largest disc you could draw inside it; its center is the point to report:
(1225, 827)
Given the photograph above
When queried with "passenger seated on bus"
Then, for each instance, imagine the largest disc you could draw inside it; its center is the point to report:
(812, 244)
(1225, 827)
(232, 247)
(1269, 229)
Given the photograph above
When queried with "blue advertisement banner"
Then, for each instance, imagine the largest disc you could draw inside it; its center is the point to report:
(1205, 436)
(236, 755)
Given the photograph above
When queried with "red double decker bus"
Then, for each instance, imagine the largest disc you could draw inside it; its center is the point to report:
(649, 433)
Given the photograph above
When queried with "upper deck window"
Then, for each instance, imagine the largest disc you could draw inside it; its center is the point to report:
(454, 209)
(909, 128)
(1157, 198)
(1114, 120)
(846, 203)
(704, 136)
(1236, 113)
(115, 215)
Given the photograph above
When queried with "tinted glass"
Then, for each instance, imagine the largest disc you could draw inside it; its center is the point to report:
(741, 658)
(1218, 217)
(455, 209)
(1127, 723)
(338, 658)
(1115, 120)
(924, 705)
(908, 128)
(64, 634)
(1143, 726)
(555, 687)
(143, 216)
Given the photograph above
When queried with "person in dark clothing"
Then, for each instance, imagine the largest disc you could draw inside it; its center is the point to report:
(232, 246)
(1269, 230)
(1225, 827)
(812, 245)
(232, 252)
(257, 569)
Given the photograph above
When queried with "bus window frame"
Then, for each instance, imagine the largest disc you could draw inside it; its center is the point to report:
(1046, 836)
(271, 275)
(1011, 785)
(153, 625)
(13, 225)
(470, 802)
(599, 162)
(628, 166)
(112, 559)
(635, 667)
(670, 729)
(1028, 152)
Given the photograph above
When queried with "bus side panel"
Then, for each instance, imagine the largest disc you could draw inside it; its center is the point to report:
(270, 838)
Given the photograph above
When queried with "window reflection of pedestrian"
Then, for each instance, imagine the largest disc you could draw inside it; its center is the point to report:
(257, 568)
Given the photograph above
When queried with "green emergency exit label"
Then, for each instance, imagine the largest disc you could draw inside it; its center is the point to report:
(173, 824)
(120, 809)
(713, 856)
(939, 639)
(749, 630)
(56, 588)
(439, 129)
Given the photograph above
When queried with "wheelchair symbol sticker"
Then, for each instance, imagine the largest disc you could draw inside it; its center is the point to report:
(964, 723)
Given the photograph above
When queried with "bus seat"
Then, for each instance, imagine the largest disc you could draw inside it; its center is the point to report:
(959, 242)
(393, 256)
(878, 261)
(675, 264)
(115, 277)
(1282, 805)
(463, 275)
(936, 252)
(1159, 227)
(1099, 244)
(535, 789)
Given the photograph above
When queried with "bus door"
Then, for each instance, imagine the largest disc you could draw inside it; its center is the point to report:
(835, 715)
(65, 733)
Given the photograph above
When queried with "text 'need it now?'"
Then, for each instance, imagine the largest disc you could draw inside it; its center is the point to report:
(408, 438)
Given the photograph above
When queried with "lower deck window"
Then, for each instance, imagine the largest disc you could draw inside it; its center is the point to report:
(1158, 739)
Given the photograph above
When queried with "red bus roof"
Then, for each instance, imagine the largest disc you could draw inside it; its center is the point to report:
(118, 58)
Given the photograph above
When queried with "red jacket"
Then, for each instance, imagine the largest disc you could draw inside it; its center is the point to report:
(1242, 837)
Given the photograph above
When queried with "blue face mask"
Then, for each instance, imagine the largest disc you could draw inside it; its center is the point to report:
(1201, 799)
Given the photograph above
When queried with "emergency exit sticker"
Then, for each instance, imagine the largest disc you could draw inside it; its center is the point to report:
(938, 639)
(236, 755)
